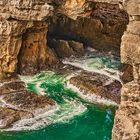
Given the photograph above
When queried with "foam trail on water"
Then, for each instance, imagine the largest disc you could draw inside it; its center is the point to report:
(55, 114)
(61, 112)
(91, 97)
(104, 71)
(96, 64)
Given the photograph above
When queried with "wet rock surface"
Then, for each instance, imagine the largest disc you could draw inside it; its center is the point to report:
(67, 48)
(17, 103)
(98, 85)
(96, 23)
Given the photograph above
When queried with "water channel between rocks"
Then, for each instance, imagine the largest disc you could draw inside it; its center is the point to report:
(79, 114)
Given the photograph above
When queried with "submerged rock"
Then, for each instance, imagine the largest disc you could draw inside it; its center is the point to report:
(17, 103)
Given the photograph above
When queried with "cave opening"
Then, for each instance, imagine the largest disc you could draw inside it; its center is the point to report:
(100, 27)
(80, 54)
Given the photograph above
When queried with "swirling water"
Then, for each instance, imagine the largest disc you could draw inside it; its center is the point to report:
(73, 119)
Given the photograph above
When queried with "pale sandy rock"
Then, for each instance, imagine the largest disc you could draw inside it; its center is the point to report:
(127, 119)
(16, 17)
(132, 6)
(26, 10)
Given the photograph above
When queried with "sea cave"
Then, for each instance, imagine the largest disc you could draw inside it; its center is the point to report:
(69, 70)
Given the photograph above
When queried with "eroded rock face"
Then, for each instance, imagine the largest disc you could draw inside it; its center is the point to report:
(66, 48)
(97, 85)
(97, 24)
(16, 17)
(34, 54)
(127, 120)
(24, 24)
(16, 103)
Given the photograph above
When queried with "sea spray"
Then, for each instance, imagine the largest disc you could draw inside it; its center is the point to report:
(93, 98)
(52, 85)
(71, 118)
(102, 64)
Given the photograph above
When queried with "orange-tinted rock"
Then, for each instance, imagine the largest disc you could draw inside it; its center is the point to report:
(16, 17)
(100, 25)
(127, 119)
(34, 54)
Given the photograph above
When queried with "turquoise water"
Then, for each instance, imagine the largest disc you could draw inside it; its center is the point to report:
(94, 124)
(73, 118)
(105, 64)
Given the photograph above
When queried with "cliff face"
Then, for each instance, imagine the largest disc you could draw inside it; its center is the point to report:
(93, 23)
(23, 25)
(127, 120)
(72, 25)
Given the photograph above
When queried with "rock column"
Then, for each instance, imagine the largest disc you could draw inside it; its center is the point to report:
(23, 22)
(127, 119)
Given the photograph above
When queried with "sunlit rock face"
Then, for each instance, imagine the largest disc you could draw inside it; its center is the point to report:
(96, 24)
(73, 25)
(34, 54)
(127, 120)
(16, 17)
(24, 25)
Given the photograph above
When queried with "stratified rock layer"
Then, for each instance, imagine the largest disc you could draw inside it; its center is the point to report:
(127, 119)
(75, 24)
(80, 23)
(16, 103)
(96, 24)
(16, 17)
(97, 85)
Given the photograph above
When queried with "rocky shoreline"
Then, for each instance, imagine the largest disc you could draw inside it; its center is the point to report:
(17, 103)
(35, 35)
(96, 84)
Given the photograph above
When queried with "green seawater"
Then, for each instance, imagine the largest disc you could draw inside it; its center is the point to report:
(94, 124)
(75, 118)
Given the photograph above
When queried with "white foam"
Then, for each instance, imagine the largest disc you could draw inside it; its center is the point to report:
(55, 114)
(114, 74)
(91, 97)
(51, 116)
(60, 112)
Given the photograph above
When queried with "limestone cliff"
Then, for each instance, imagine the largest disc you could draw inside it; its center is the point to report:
(73, 25)
(127, 120)
(28, 18)
(24, 26)
(96, 23)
